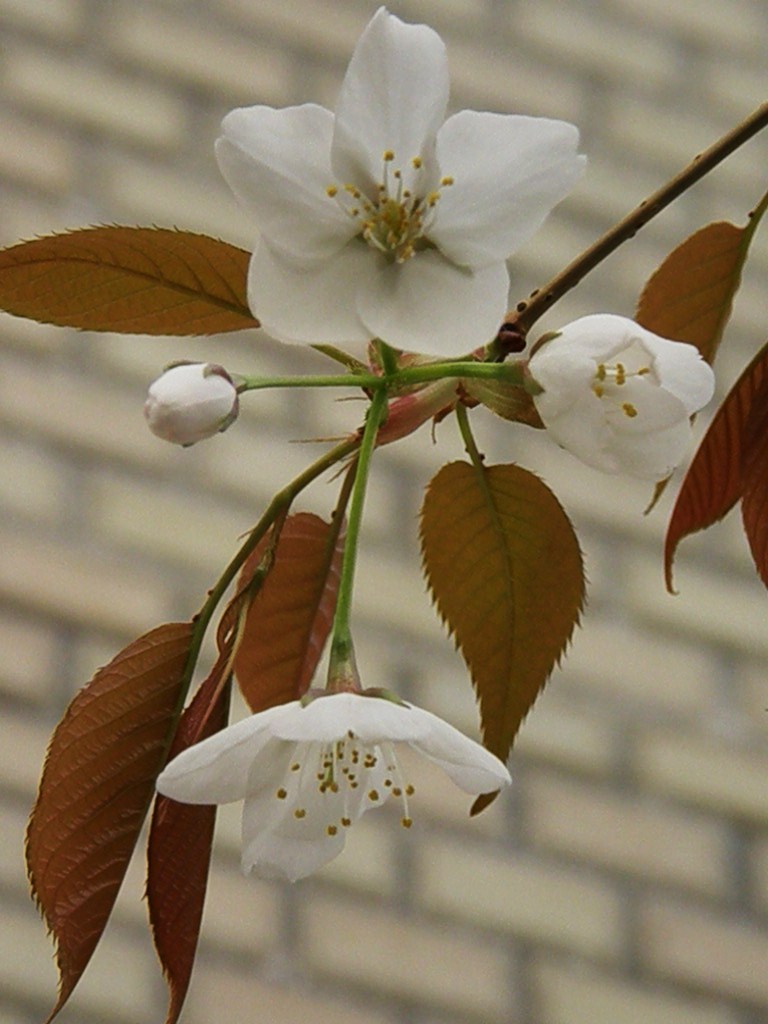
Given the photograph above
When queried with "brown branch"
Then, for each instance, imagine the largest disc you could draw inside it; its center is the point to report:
(527, 312)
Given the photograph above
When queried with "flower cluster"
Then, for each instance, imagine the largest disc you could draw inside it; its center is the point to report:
(386, 221)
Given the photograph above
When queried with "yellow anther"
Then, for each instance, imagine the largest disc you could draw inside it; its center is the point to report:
(406, 822)
(397, 791)
(447, 180)
(417, 162)
(432, 198)
(629, 410)
(373, 795)
(299, 813)
(332, 191)
(643, 370)
(621, 374)
(331, 830)
(281, 794)
(295, 766)
(599, 391)
(388, 156)
(409, 790)
(346, 822)
(601, 371)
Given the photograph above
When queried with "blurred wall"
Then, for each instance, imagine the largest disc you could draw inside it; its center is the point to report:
(625, 877)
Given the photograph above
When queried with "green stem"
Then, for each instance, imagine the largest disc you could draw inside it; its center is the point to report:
(332, 380)
(528, 312)
(468, 437)
(512, 373)
(341, 669)
(277, 508)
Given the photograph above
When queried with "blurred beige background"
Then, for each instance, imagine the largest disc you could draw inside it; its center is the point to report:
(625, 879)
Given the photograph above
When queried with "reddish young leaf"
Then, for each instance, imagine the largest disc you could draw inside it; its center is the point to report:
(179, 849)
(290, 617)
(754, 469)
(689, 297)
(505, 571)
(96, 786)
(128, 280)
(713, 483)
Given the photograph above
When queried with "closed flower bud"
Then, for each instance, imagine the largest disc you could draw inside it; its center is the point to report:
(191, 401)
(618, 396)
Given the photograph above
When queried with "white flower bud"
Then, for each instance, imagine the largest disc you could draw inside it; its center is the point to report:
(191, 401)
(618, 396)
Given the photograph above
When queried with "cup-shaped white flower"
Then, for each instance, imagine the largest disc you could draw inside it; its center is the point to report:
(386, 220)
(308, 772)
(191, 401)
(618, 396)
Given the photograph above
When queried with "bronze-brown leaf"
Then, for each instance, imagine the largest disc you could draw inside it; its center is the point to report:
(128, 280)
(179, 849)
(97, 783)
(290, 617)
(689, 297)
(754, 481)
(713, 483)
(505, 571)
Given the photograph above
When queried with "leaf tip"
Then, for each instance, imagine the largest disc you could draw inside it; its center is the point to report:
(483, 801)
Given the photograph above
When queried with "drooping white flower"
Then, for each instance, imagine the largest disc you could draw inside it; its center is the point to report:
(386, 220)
(308, 772)
(191, 401)
(618, 396)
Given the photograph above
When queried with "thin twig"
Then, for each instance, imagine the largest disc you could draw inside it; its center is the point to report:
(528, 311)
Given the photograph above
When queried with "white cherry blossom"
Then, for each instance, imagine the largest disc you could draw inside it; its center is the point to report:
(618, 396)
(307, 772)
(387, 220)
(191, 401)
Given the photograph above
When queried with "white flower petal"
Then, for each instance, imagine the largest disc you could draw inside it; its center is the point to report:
(272, 854)
(664, 450)
(682, 371)
(311, 304)
(473, 768)
(654, 408)
(394, 97)
(584, 431)
(330, 717)
(565, 373)
(216, 771)
(277, 162)
(508, 173)
(430, 305)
